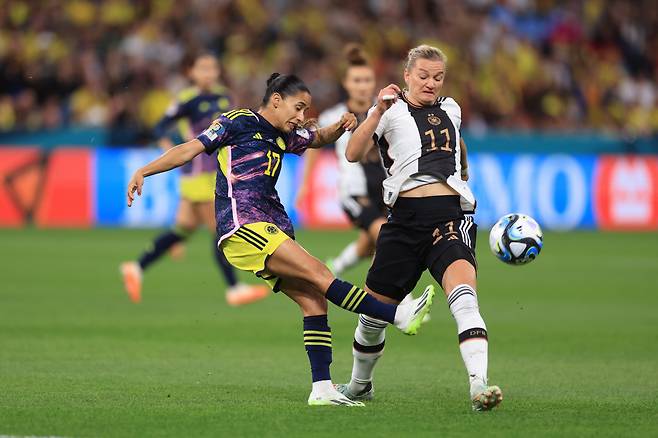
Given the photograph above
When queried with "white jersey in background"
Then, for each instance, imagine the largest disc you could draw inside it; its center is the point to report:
(420, 145)
(352, 180)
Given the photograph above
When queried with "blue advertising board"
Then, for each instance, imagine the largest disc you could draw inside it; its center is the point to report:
(554, 189)
(113, 169)
(561, 191)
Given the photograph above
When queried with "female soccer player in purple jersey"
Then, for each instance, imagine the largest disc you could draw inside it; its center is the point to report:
(193, 110)
(417, 132)
(360, 183)
(257, 234)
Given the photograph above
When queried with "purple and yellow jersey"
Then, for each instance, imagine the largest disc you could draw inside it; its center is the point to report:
(193, 111)
(250, 155)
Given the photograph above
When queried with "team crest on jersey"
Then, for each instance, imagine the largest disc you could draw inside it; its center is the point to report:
(271, 229)
(215, 130)
(433, 120)
(280, 143)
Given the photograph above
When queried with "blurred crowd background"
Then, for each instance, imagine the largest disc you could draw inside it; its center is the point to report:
(587, 65)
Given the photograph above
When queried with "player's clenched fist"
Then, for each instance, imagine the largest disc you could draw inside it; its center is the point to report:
(387, 96)
(348, 121)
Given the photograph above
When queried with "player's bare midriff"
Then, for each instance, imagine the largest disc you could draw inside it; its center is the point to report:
(433, 189)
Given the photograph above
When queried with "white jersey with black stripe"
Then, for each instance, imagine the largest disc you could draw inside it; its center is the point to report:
(420, 145)
(352, 177)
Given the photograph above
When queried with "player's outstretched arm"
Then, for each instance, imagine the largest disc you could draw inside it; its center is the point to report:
(165, 144)
(174, 157)
(331, 133)
(361, 139)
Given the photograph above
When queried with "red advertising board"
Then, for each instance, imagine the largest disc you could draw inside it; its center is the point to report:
(47, 188)
(67, 193)
(20, 175)
(626, 192)
(321, 207)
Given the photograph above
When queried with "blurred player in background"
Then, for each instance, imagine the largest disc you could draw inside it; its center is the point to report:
(429, 228)
(360, 183)
(256, 232)
(193, 110)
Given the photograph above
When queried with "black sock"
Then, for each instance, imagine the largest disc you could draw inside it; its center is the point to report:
(317, 340)
(160, 246)
(356, 300)
(226, 268)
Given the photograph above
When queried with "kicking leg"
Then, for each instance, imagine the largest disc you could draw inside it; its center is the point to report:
(291, 261)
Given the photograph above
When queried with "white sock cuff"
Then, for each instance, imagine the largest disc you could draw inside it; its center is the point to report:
(370, 331)
(462, 291)
(372, 323)
(463, 303)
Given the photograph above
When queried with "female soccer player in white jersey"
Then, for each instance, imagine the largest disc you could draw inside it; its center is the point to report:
(417, 132)
(360, 183)
(256, 232)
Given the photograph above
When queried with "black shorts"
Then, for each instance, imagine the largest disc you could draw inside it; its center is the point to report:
(421, 233)
(364, 210)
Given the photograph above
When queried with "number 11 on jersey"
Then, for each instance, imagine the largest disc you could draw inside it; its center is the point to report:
(446, 146)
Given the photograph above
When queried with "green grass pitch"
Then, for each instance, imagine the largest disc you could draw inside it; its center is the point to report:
(573, 344)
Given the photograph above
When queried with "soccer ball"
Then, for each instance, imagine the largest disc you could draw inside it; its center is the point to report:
(516, 239)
